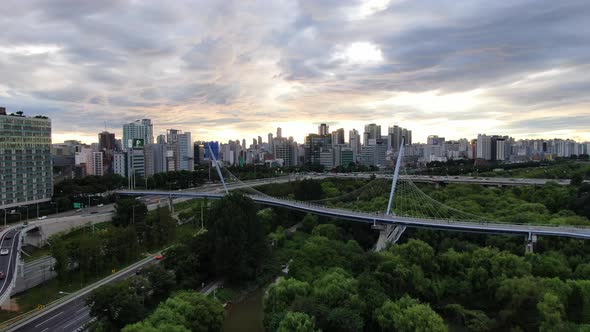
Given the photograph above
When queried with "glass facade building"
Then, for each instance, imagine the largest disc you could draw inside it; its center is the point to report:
(26, 174)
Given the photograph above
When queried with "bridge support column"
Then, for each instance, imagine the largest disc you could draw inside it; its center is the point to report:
(171, 204)
(389, 233)
(530, 239)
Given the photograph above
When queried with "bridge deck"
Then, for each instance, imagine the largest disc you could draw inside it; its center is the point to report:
(450, 225)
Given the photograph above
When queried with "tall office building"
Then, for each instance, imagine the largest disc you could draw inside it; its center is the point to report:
(25, 160)
(354, 139)
(314, 144)
(149, 129)
(106, 141)
(140, 129)
(338, 136)
(372, 131)
(214, 147)
(161, 139)
(120, 164)
(96, 164)
(186, 160)
(323, 129)
(283, 149)
(107, 144)
(484, 147)
(279, 132)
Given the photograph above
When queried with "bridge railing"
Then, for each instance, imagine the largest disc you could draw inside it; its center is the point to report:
(401, 218)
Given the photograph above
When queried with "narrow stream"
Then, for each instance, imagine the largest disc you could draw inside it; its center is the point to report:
(246, 315)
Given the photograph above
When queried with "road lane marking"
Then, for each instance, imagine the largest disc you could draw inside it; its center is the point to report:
(47, 320)
(81, 327)
(45, 329)
(77, 311)
(75, 320)
(9, 262)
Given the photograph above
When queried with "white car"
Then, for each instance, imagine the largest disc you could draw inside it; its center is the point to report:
(100, 205)
(42, 218)
(4, 252)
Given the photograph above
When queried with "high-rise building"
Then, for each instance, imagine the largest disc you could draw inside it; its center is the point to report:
(214, 147)
(259, 140)
(323, 129)
(120, 163)
(270, 142)
(106, 141)
(199, 152)
(484, 147)
(279, 132)
(26, 175)
(140, 129)
(314, 145)
(185, 152)
(372, 131)
(338, 136)
(149, 128)
(161, 139)
(283, 149)
(96, 164)
(354, 139)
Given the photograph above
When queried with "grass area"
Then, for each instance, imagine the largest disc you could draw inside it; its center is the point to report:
(6, 315)
(33, 253)
(223, 294)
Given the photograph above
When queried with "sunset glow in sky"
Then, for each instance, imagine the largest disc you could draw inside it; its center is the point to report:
(238, 69)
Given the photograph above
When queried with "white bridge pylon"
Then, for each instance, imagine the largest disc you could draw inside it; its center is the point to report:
(390, 233)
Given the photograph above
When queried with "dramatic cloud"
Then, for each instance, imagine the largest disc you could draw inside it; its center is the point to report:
(237, 69)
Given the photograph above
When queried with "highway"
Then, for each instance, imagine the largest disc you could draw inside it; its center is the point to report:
(8, 263)
(71, 314)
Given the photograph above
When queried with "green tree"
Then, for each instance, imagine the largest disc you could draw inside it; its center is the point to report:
(407, 314)
(58, 250)
(162, 282)
(330, 231)
(334, 288)
(116, 304)
(129, 211)
(309, 222)
(237, 238)
(186, 311)
(551, 311)
(297, 322)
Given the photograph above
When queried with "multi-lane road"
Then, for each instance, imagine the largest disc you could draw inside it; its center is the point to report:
(8, 262)
(71, 314)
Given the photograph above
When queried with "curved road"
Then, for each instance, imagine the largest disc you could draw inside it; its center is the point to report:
(10, 241)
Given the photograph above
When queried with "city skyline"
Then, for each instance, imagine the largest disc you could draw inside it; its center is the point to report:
(236, 70)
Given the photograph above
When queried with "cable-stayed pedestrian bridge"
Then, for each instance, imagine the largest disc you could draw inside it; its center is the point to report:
(376, 218)
(408, 206)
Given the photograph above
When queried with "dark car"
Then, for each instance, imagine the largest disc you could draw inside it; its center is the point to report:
(2, 275)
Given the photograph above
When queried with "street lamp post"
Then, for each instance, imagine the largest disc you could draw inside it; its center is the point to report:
(56, 207)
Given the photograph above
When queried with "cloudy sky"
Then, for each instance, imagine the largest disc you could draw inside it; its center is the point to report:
(238, 69)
